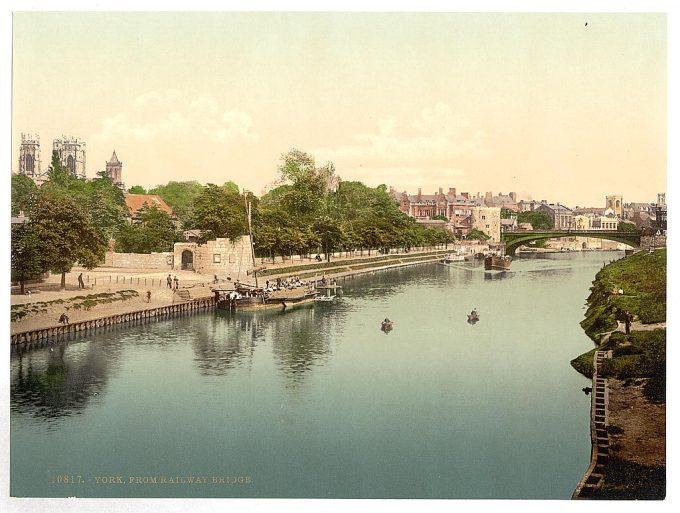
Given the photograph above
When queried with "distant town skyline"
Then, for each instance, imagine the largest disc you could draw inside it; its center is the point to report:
(562, 107)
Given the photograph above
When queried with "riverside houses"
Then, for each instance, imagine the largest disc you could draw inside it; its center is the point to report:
(562, 217)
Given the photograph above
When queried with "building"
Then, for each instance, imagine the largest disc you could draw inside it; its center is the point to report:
(661, 218)
(561, 216)
(501, 200)
(529, 205)
(582, 222)
(71, 154)
(114, 170)
(605, 223)
(135, 202)
(487, 220)
(616, 204)
(29, 157)
(451, 205)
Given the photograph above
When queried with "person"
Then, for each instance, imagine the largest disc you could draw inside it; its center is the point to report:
(63, 319)
(474, 312)
(148, 296)
(169, 281)
(176, 283)
(81, 283)
(627, 317)
(215, 280)
(318, 258)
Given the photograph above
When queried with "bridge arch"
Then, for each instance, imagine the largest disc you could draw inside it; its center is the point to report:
(514, 240)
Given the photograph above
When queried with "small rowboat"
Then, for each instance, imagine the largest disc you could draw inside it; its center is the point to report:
(386, 325)
(473, 318)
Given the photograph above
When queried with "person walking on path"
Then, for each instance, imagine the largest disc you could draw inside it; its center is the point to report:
(176, 283)
(81, 283)
(63, 319)
(169, 280)
(627, 318)
(148, 296)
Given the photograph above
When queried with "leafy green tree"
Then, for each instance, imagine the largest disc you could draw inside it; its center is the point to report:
(27, 256)
(218, 212)
(66, 233)
(57, 174)
(180, 197)
(627, 227)
(137, 189)
(155, 232)
(231, 186)
(24, 191)
(476, 234)
(440, 217)
(329, 233)
(539, 220)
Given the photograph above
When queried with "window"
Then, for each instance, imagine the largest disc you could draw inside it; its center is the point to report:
(217, 258)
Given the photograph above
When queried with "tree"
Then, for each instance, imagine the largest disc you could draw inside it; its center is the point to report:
(180, 197)
(539, 220)
(154, 232)
(23, 194)
(66, 233)
(440, 217)
(136, 189)
(476, 234)
(627, 227)
(218, 212)
(27, 255)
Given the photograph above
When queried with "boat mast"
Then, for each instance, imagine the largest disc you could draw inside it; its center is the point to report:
(252, 244)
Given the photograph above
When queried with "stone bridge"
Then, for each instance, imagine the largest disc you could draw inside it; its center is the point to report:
(513, 240)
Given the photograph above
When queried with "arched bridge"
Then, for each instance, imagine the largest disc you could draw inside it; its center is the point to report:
(513, 240)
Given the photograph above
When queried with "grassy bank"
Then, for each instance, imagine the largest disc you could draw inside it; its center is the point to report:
(639, 362)
(642, 277)
(75, 303)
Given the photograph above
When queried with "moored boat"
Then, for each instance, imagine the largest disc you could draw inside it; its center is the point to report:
(386, 325)
(497, 263)
(448, 259)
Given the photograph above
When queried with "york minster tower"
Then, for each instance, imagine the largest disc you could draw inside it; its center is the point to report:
(29, 156)
(71, 152)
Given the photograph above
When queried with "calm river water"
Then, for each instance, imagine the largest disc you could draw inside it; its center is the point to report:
(319, 402)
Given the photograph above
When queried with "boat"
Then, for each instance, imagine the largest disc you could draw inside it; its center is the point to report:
(306, 299)
(497, 263)
(386, 325)
(453, 258)
(244, 297)
(473, 317)
(324, 299)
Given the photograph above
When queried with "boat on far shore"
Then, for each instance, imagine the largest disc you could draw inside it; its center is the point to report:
(448, 259)
(497, 263)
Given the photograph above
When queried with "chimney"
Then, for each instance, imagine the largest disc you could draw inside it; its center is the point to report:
(441, 191)
(465, 195)
(513, 196)
(420, 194)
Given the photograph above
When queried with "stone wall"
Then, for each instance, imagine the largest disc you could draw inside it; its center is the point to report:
(222, 257)
(487, 220)
(139, 260)
(649, 242)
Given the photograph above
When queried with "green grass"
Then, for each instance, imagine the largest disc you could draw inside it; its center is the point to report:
(642, 277)
(75, 303)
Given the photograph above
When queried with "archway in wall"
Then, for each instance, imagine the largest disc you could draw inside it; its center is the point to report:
(71, 163)
(187, 260)
(29, 164)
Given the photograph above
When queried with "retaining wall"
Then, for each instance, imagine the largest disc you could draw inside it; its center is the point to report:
(39, 337)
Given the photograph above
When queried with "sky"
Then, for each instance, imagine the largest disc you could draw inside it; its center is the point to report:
(563, 107)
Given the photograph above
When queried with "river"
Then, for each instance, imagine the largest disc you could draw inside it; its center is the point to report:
(319, 402)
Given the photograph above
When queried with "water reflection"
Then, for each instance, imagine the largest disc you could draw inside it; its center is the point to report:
(59, 381)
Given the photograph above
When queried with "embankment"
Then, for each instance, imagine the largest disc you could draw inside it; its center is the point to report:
(635, 375)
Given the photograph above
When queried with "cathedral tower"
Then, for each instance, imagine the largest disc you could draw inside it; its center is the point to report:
(29, 156)
(71, 153)
(114, 170)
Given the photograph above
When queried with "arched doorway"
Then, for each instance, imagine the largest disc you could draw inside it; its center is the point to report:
(71, 164)
(187, 260)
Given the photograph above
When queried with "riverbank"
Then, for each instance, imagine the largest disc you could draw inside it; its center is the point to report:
(116, 294)
(635, 373)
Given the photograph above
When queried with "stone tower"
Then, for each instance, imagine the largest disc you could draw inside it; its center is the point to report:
(29, 156)
(114, 169)
(616, 204)
(71, 153)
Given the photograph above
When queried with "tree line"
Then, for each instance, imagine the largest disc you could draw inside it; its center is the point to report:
(310, 210)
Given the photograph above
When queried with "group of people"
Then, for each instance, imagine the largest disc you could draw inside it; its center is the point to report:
(291, 282)
(169, 280)
(328, 281)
